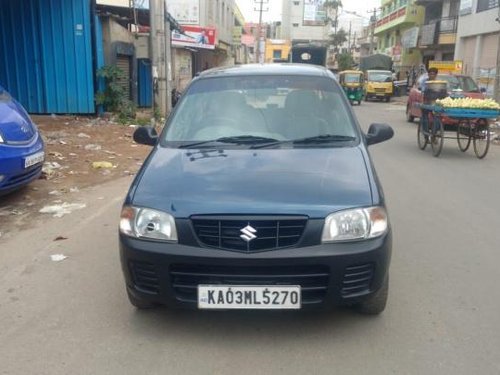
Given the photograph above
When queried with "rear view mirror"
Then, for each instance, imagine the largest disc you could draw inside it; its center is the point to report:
(146, 135)
(378, 133)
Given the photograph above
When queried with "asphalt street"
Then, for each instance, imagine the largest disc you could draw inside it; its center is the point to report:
(443, 314)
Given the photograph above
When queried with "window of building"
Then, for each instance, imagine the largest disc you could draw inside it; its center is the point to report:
(276, 54)
(483, 5)
(296, 3)
(295, 24)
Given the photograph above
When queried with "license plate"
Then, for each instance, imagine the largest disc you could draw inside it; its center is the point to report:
(34, 159)
(249, 297)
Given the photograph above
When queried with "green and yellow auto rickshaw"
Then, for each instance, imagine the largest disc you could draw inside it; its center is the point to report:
(352, 82)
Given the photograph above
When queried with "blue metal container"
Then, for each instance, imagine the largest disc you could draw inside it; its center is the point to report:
(46, 54)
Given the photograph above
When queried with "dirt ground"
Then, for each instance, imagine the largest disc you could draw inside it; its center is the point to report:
(73, 144)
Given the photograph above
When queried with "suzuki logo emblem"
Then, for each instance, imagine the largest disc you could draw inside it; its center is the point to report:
(248, 233)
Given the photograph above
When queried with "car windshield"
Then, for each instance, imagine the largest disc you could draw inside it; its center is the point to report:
(352, 78)
(260, 109)
(463, 83)
(380, 76)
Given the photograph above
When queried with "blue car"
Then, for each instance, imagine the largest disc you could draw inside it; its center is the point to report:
(21, 146)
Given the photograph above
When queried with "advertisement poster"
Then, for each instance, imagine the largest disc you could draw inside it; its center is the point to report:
(314, 13)
(195, 36)
(186, 12)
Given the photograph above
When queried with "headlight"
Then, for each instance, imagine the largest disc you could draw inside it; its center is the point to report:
(357, 224)
(147, 223)
(1, 139)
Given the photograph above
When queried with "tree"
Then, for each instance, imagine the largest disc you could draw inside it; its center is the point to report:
(345, 61)
(333, 5)
(338, 39)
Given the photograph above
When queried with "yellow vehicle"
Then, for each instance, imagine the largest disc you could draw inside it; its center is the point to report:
(379, 84)
(352, 83)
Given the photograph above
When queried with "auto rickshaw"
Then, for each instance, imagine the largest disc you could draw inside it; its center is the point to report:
(352, 83)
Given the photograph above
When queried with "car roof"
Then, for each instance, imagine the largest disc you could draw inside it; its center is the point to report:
(267, 69)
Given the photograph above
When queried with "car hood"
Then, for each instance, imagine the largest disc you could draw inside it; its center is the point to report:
(15, 124)
(313, 182)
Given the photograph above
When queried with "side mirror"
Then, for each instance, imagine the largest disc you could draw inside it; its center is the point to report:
(378, 133)
(146, 135)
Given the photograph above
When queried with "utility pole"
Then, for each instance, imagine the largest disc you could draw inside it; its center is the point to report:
(260, 39)
(496, 94)
(373, 21)
(159, 55)
(349, 39)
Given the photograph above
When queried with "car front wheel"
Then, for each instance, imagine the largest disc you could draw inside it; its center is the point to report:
(376, 303)
(139, 303)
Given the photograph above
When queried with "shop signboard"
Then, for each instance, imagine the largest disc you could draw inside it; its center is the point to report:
(195, 36)
(447, 67)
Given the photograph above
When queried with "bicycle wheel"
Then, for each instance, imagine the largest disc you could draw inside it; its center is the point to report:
(463, 135)
(437, 137)
(422, 139)
(481, 137)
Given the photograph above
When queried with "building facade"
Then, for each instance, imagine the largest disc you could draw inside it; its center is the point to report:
(276, 49)
(438, 33)
(398, 18)
(477, 46)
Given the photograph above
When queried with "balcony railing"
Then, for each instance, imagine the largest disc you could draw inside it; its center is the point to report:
(448, 25)
(431, 32)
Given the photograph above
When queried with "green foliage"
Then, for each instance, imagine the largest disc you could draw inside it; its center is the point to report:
(114, 98)
(338, 39)
(345, 61)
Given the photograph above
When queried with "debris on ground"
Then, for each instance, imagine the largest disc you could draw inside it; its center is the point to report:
(60, 238)
(59, 210)
(92, 147)
(83, 135)
(58, 257)
(49, 169)
(102, 165)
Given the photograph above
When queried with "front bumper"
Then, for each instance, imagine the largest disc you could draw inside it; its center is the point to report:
(329, 274)
(12, 171)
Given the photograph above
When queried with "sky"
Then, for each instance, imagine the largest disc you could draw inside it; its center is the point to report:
(274, 6)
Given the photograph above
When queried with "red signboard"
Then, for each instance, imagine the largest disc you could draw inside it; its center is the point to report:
(195, 36)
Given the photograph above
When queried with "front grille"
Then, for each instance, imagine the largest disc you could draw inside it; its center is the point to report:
(312, 279)
(380, 90)
(270, 234)
(145, 277)
(357, 279)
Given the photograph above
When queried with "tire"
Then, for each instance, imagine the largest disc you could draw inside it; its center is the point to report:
(366, 98)
(481, 137)
(422, 139)
(377, 302)
(387, 99)
(409, 117)
(463, 135)
(359, 102)
(437, 137)
(139, 303)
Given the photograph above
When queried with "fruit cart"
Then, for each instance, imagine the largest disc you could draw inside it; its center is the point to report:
(472, 127)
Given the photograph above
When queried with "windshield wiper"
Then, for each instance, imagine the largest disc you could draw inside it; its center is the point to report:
(240, 139)
(324, 138)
